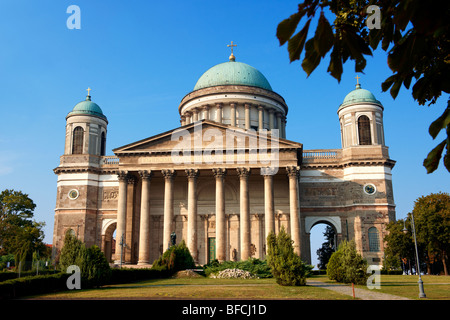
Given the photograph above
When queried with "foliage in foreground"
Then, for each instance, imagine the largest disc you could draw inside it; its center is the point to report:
(347, 265)
(414, 33)
(287, 267)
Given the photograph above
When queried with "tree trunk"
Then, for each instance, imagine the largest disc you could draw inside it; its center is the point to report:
(444, 264)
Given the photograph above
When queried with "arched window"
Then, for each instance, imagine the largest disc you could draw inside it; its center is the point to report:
(77, 143)
(364, 131)
(374, 241)
(103, 144)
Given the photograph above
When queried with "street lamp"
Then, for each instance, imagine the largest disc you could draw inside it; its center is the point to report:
(421, 292)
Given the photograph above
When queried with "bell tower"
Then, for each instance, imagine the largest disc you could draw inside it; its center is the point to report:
(86, 128)
(361, 119)
(79, 173)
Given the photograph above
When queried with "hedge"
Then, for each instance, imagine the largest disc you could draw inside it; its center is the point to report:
(35, 285)
(8, 275)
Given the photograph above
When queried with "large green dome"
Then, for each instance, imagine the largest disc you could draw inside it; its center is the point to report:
(232, 73)
(359, 95)
(87, 107)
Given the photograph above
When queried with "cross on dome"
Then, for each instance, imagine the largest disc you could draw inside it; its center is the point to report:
(88, 97)
(358, 85)
(232, 57)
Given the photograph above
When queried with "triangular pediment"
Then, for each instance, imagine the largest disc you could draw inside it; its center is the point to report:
(206, 135)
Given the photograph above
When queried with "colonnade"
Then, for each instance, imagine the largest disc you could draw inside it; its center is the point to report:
(277, 119)
(220, 180)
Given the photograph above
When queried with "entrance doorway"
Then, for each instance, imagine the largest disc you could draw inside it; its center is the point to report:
(211, 249)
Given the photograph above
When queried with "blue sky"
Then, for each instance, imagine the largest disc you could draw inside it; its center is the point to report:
(141, 57)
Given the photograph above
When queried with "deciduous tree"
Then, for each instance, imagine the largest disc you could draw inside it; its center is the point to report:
(19, 235)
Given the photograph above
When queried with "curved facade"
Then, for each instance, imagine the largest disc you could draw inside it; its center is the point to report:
(235, 94)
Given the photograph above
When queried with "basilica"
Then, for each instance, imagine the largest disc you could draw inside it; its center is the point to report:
(225, 178)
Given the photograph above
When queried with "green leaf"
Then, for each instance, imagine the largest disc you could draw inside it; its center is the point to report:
(297, 42)
(324, 37)
(396, 88)
(440, 123)
(431, 163)
(286, 28)
(388, 82)
(375, 36)
(312, 58)
(335, 66)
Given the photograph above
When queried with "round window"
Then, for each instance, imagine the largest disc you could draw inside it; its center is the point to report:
(370, 189)
(73, 194)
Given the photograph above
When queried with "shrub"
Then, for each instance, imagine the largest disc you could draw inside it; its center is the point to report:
(72, 253)
(346, 265)
(94, 267)
(175, 258)
(286, 266)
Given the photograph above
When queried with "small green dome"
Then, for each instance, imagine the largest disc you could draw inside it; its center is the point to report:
(232, 73)
(87, 107)
(359, 96)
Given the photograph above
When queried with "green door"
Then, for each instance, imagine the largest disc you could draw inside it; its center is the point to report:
(211, 249)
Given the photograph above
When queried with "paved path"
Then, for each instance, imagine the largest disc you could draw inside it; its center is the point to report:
(362, 294)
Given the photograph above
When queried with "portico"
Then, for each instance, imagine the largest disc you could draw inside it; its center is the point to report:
(239, 207)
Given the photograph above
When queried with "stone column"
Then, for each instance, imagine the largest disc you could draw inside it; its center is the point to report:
(247, 116)
(188, 117)
(244, 212)
(130, 253)
(221, 249)
(144, 230)
(206, 112)
(354, 130)
(192, 175)
(121, 213)
(233, 114)
(278, 117)
(183, 120)
(294, 206)
(373, 128)
(260, 118)
(219, 112)
(169, 176)
(195, 115)
(283, 127)
(271, 122)
(269, 207)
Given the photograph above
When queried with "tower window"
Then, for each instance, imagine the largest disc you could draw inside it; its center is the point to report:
(103, 144)
(364, 131)
(374, 241)
(78, 137)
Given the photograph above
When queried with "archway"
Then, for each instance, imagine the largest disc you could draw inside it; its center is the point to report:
(318, 240)
(109, 239)
(315, 227)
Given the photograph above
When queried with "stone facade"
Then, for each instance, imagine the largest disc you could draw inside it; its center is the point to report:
(224, 204)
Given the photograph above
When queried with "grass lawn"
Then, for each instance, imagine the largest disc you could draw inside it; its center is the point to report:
(201, 288)
(435, 287)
